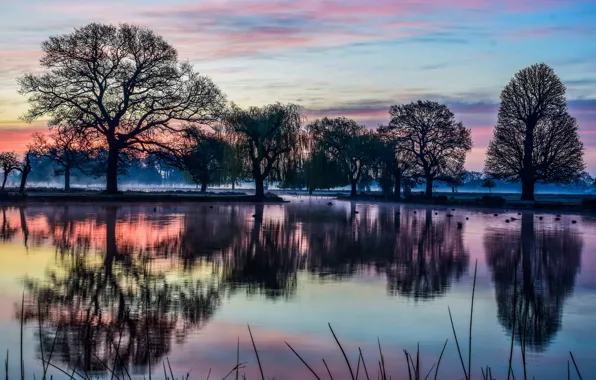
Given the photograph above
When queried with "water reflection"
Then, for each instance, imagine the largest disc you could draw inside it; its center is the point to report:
(114, 309)
(534, 269)
(128, 281)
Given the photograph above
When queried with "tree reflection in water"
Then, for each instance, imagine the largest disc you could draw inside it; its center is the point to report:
(115, 310)
(535, 266)
(420, 255)
(141, 296)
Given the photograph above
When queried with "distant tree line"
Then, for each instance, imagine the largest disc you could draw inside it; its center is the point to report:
(118, 97)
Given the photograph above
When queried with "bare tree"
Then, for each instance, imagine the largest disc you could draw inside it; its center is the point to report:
(8, 162)
(121, 85)
(535, 140)
(267, 134)
(66, 147)
(433, 137)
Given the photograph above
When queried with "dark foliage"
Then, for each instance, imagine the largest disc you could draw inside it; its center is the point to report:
(435, 140)
(535, 140)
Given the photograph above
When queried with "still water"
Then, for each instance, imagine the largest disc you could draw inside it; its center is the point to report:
(138, 284)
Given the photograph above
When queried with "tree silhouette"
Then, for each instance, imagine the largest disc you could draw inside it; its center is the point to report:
(9, 163)
(122, 86)
(535, 139)
(66, 148)
(535, 269)
(433, 137)
(394, 159)
(25, 170)
(200, 155)
(267, 135)
(348, 143)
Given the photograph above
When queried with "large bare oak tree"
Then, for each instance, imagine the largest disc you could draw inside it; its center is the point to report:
(123, 85)
(433, 138)
(535, 139)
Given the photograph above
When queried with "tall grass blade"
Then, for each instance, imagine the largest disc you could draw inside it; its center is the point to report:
(513, 326)
(106, 365)
(358, 367)
(363, 363)
(256, 353)
(440, 357)
(303, 361)
(6, 364)
(236, 367)
(431, 369)
(568, 371)
(66, 373)
(170, 367)
(383, 370)
(342, 351)
(408, 363)
(237, 357)
(165, 374)
(22, 324)
(471, 319)
(328, 371)
(575, 365)
(461, 359)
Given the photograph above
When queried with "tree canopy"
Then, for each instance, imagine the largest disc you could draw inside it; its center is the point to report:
(348, 143)
(535, 139)
(267, 135)
(435, 140)
(123, 86)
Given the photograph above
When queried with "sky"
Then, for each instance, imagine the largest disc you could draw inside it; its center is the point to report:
(336, 57)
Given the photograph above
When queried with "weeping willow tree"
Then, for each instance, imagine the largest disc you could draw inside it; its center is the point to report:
(269, 136)
(348, 144)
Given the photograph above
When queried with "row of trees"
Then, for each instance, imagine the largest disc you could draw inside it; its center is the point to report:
(117, 92)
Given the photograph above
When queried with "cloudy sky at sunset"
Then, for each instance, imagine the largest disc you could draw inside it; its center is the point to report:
(350, 57)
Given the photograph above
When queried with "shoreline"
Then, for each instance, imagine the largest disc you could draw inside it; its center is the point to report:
(583, 204)
(513, 205)
(136, 197)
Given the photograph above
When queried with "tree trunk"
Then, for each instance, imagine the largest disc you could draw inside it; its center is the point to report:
(112, 171)
(397, 190)
(233, 184)
(353, 192)
(527, 176)
(67, 178)
(259, 187)
(527, 190)
(203, 187)
(429, 188)
(4, 181)
(310, 191)
(24, 176)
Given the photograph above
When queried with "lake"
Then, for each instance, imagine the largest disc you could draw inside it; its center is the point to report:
(132, 286)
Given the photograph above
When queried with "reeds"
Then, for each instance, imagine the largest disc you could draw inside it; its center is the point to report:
(413, 362)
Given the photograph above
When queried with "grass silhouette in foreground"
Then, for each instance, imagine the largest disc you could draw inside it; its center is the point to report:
(362, 370)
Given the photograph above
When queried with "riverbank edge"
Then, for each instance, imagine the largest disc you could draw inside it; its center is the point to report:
(516, 205)
(140, 197)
